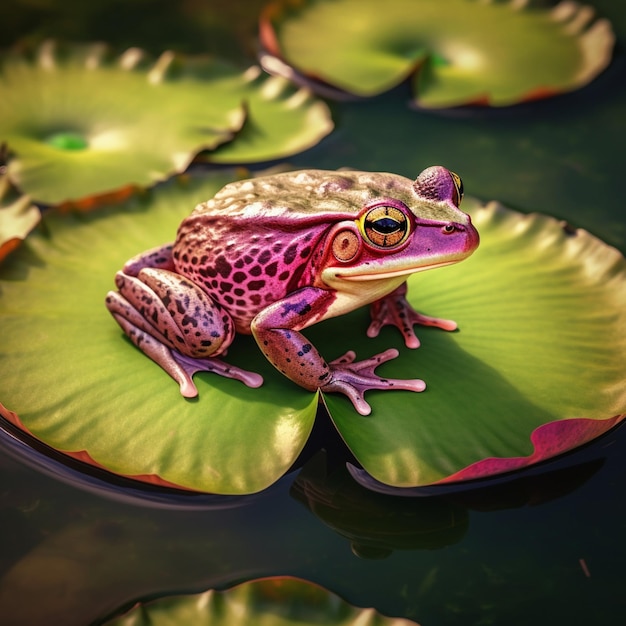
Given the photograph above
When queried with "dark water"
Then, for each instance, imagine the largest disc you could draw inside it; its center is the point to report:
(544, 549)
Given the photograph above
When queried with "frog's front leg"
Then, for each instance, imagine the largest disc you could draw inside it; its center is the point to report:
(276, 330)
(176, 324)
(395, 310)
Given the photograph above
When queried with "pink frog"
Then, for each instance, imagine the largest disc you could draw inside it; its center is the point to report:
(273, 255)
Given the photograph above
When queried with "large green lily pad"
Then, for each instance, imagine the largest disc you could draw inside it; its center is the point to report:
(276, 601)
(457, 51)
(82, 123)
(535, 370)
(536, 305)
(79, 386)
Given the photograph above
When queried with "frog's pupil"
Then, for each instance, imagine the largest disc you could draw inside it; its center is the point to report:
(385, 225)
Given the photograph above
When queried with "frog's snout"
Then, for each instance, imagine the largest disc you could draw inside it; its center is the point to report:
(473, 237)
(464, 237)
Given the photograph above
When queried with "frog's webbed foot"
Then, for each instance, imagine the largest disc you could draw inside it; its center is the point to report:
(395, 310)
(354, 378)
(180, 367)
(190, 366)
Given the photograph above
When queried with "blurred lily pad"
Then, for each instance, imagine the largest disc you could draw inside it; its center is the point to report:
(281, 120)
(536, 369)
(279, 601)
(18, 216)
(81, 123)
(457, 52)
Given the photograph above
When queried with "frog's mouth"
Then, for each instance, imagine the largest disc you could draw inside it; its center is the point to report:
(373, 275)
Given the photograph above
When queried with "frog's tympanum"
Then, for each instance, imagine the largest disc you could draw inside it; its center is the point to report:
(273, 255)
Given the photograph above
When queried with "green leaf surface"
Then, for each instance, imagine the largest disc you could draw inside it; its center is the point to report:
(77, 114)
(458, 51)
(78, 385)
(277, 601)
(535, 369)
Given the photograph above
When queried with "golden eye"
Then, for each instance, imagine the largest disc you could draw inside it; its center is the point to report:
(458, 184)
(385, 226)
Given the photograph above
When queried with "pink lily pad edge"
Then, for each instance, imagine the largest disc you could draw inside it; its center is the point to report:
(551, 442)
(84, 457)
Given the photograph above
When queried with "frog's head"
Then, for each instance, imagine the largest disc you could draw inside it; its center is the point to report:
(418, 229)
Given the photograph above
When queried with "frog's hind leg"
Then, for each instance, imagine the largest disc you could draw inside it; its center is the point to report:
(177, 325)
(151, 347)
(156, 258)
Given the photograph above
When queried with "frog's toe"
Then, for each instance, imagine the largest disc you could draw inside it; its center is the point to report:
(437, 322)
(410, 338)
(153, 348)
(187, 388)
(191, 365)
(395, 310)
(354, 378)
(354, 395)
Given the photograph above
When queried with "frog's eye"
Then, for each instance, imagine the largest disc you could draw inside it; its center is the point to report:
(385, 226)
(458, 186)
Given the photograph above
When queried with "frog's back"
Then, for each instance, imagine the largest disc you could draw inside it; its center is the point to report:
(304, 197)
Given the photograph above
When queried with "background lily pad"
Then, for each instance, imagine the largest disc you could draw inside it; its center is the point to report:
(281, 120)
(102, 401)
(77, 114)
(459, 51)
(278, 601)
(493, 388)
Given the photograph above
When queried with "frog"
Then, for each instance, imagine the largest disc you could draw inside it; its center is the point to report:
(273, 255)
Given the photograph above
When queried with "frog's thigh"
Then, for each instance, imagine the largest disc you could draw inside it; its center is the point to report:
(159, 257)
(276, 331)
(187, 318)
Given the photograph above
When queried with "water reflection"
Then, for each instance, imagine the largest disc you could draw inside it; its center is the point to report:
(376, 524)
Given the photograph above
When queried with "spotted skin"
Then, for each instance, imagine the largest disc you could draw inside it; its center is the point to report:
(274, 255)
(244, 276)
(183, 316)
